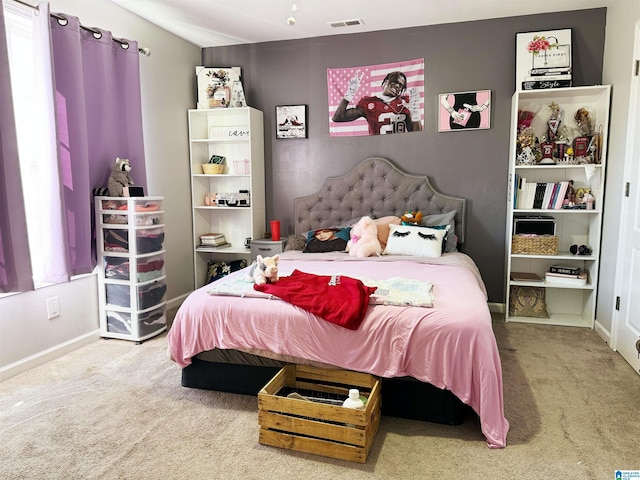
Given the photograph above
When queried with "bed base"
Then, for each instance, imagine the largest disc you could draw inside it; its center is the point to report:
(401, 397)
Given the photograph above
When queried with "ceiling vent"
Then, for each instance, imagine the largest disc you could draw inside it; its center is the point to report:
(346, 23)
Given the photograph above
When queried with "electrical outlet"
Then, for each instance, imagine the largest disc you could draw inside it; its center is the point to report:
(53, 308)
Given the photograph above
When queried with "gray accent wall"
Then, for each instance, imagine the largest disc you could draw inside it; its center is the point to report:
(458, 57)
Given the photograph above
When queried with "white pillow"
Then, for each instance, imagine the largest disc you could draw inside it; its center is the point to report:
(413, 240)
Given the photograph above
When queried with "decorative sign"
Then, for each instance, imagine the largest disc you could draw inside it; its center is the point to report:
(228, 133)
(237, 95)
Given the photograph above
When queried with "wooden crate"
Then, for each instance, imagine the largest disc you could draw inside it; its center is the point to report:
(314, 427)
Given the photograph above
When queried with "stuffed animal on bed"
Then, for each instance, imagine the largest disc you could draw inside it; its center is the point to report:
(119, 177)
(411, 217)
(364, 239)
(264, 270)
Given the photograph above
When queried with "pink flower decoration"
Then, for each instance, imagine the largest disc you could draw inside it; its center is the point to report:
(538, 44)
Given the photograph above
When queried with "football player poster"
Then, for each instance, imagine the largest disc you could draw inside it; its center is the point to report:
(376, 99)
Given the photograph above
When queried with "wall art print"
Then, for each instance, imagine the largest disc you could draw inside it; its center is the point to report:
(215, 86)
(291, 121)
(464, 111)
(543, 59)
(376, 99)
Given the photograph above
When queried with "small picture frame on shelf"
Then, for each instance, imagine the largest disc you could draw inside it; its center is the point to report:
(291, 121)
(580, 146)
(132, 191)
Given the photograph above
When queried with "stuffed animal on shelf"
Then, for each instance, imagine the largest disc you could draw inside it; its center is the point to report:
(364, 239)
(412, 217)
(264, 270)
(119, 177)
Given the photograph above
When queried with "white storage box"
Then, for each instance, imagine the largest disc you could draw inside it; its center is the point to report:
(566, 280)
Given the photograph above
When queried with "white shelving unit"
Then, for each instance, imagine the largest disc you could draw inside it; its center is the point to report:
(238, 135)
(567, 305)
(131, 275)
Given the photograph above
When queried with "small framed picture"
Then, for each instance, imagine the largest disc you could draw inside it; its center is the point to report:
(580, 146)
(291, 121)
(464, 111)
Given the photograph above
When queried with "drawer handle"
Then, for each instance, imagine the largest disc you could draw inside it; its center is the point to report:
(264, 249)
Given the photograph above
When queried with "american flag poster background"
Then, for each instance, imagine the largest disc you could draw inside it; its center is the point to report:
(371, 85)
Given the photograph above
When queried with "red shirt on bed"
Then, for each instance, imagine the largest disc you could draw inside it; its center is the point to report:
(337, 299)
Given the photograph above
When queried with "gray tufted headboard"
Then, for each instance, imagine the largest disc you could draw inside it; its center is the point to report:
(378, 189)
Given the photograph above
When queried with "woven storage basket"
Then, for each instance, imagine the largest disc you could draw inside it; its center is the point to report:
(212, 168)
(534, 244)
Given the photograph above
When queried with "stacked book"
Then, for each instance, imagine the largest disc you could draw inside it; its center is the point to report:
(213, 240)
(538, 195)
(566, 275)
(548, 80)
(525, 277)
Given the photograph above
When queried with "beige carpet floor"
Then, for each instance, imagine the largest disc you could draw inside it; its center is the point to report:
(116, 410)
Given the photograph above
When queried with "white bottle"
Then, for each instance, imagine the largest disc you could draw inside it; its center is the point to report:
(354, 400)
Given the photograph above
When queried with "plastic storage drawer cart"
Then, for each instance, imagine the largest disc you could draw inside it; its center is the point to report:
(132, 282)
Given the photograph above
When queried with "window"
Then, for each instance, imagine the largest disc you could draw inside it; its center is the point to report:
(57, 188)
(35, 127)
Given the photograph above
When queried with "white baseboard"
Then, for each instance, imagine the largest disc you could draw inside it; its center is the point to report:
(56, 351)
(175, 302)
(47, 355)
(603, 333)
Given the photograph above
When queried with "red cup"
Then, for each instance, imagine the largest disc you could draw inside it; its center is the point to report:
(275, 230)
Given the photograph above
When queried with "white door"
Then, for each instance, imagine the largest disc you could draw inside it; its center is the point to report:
(627, 339)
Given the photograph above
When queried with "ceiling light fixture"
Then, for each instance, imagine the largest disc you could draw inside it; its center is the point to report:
(291, 21)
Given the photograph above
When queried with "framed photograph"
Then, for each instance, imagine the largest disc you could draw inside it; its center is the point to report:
(543, 59)
(215, 86)
(464, 111)
(291, 121)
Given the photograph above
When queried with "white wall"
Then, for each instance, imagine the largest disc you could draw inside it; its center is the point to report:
(618, 68)
(168, 90)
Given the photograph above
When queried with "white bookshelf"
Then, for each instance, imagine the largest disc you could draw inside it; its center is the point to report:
(238, 135)
(568, 305)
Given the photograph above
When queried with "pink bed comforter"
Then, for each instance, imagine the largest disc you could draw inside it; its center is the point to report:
(450, 345)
